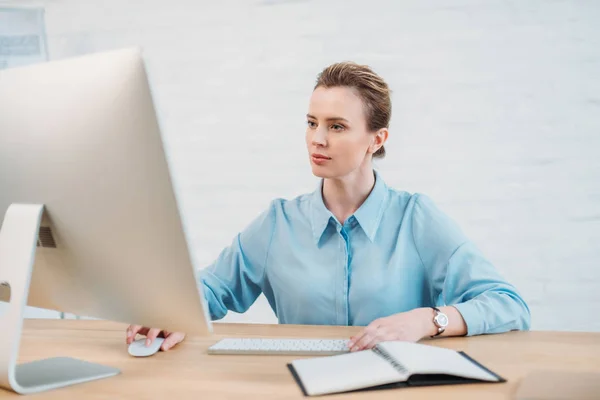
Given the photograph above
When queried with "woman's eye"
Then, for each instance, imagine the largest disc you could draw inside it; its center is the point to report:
(337, 127)
(311, 124)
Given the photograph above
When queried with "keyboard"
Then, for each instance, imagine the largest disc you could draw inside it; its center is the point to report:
(295, 347)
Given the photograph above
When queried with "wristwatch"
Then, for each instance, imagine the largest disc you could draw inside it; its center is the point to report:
(440, 320)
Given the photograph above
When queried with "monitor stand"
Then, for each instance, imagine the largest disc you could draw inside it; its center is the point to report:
(18, 243)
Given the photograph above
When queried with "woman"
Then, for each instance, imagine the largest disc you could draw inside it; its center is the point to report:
(356, 252)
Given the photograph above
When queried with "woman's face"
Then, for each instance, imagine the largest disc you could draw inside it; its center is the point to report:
(337, 137)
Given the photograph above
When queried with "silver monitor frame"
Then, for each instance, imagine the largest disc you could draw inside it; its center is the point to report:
(91, 221)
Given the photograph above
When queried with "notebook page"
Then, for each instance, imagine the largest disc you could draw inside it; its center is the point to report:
(344, 372)
(427, 359)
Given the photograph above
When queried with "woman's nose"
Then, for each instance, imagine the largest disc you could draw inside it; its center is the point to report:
(319, 138)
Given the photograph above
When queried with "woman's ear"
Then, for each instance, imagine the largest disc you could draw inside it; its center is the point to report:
(379, 139)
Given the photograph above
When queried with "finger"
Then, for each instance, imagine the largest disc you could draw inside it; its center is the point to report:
(372, 331)
(133, 330)
(152, 334)
(362, 342)
(369, 331)
(171, 340)
(380, 337)
(356, 338)
(366, 338)
(129, 333)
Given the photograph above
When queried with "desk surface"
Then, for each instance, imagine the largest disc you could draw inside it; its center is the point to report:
(188, 372)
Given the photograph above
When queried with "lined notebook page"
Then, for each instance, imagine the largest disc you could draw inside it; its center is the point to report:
(345, 372)
(427, 359)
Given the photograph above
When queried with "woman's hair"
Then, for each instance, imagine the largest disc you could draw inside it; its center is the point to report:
(370, 87)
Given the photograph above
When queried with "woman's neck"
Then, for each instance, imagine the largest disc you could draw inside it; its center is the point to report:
(343, 196)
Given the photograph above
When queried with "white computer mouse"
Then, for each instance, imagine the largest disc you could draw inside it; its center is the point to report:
(138, 348)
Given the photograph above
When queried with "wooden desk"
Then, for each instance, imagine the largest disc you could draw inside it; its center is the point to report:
(187, 372)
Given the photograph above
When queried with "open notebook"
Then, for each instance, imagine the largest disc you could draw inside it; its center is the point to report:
(388, 365)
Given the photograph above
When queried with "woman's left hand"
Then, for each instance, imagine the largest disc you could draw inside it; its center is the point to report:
(410, 326)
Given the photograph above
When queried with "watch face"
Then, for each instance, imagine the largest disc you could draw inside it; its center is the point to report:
(442, 319)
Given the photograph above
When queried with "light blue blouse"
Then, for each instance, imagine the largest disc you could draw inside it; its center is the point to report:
(397, 252)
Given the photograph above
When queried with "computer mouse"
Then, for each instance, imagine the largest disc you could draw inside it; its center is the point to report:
(138, 348)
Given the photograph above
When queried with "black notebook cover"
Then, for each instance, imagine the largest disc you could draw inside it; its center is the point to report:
(414, 380)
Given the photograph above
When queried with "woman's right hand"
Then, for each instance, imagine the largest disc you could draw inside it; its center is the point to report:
(171, 338)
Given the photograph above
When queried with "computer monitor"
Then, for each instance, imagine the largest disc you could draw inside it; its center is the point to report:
(91, 223)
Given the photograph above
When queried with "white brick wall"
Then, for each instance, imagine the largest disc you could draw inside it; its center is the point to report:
(496, 116)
